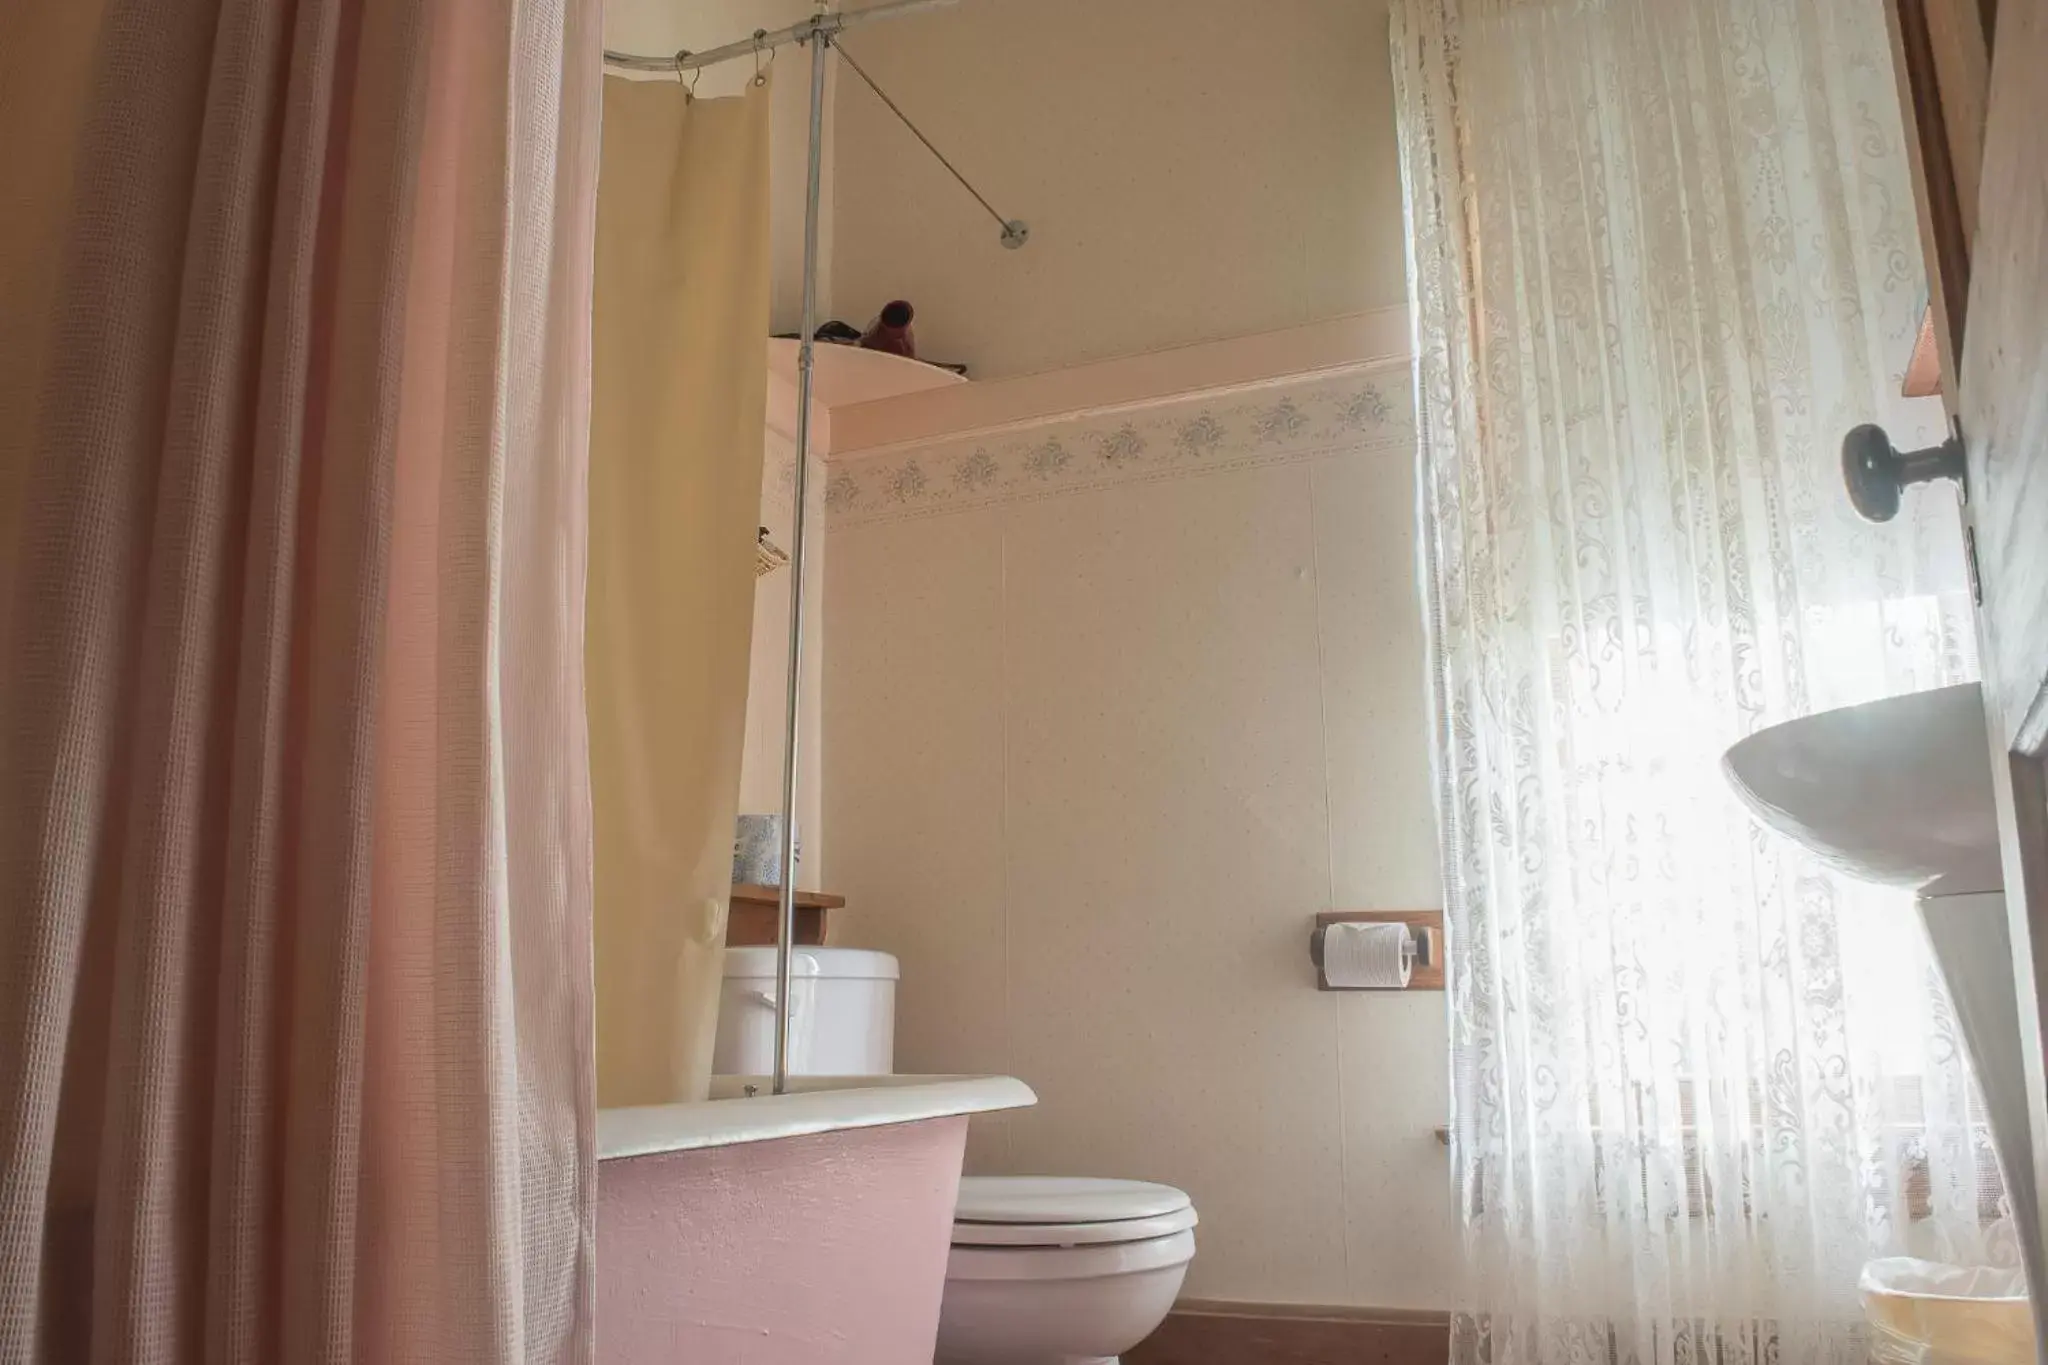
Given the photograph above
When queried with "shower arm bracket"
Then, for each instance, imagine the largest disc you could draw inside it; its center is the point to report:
(824, 28)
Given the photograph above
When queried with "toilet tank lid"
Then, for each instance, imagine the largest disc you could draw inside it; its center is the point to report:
(1062, 1199)
(830, 964)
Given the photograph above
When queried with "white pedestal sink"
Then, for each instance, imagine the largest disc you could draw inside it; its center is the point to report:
(1899, 792)
(1895, 791)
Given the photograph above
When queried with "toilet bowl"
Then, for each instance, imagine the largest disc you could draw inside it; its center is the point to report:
(1049, 1270)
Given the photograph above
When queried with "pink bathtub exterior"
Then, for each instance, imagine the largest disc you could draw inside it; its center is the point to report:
(821, 1249)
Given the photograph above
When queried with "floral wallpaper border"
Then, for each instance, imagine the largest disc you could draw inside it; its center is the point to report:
(1280, 424)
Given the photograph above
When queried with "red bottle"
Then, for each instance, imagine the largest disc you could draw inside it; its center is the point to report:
(890, 331)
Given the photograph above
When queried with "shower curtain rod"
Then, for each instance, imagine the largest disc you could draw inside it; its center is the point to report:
(823, 25)
(799, 516)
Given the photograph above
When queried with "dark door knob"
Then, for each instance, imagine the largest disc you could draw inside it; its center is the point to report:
(1877, 473)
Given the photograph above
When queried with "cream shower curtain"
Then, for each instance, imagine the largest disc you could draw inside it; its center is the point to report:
(675, 497)
(295, 1032)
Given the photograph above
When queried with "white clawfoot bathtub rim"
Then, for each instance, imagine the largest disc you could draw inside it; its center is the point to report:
(814, 1104)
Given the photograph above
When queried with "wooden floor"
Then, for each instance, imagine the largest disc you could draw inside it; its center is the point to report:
(1285, 1334)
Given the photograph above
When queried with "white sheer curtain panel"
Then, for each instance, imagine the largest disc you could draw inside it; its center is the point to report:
(1663, 256)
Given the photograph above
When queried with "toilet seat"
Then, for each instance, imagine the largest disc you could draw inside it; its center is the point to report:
(1066, 1211)
(966, 1264)
(967, 1234)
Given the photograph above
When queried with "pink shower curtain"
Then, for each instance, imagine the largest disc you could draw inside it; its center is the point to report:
(295, 1039)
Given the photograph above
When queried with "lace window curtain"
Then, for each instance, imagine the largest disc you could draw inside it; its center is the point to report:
(1663, 255)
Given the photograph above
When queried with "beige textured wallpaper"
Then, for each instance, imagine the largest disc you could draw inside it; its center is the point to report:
(1113, 706)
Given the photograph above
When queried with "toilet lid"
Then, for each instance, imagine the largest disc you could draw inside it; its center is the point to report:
(1043, 1211)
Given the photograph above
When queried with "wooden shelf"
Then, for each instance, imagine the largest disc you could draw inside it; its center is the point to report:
(851, 374)
(772, 895)
(751, 921)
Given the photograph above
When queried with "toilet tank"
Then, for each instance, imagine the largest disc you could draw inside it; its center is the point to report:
(842, 1013)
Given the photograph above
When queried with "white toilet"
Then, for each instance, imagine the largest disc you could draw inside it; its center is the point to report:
(1045, 1270)
(1060, 1270)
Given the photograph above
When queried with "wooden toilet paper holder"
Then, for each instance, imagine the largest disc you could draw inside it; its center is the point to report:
(1426, 927)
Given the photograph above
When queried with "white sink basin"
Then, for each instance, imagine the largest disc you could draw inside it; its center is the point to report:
(1899, 791)
(1895, 791)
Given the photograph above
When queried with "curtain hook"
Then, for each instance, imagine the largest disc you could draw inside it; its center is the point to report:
(760, 67)
(688, 79)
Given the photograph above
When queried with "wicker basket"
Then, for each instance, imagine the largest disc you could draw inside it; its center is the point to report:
(768, 556)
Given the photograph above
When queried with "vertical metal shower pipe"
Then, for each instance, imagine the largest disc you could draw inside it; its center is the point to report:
(785, 924)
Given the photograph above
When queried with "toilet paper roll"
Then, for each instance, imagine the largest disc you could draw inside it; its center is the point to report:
(1366, 954)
